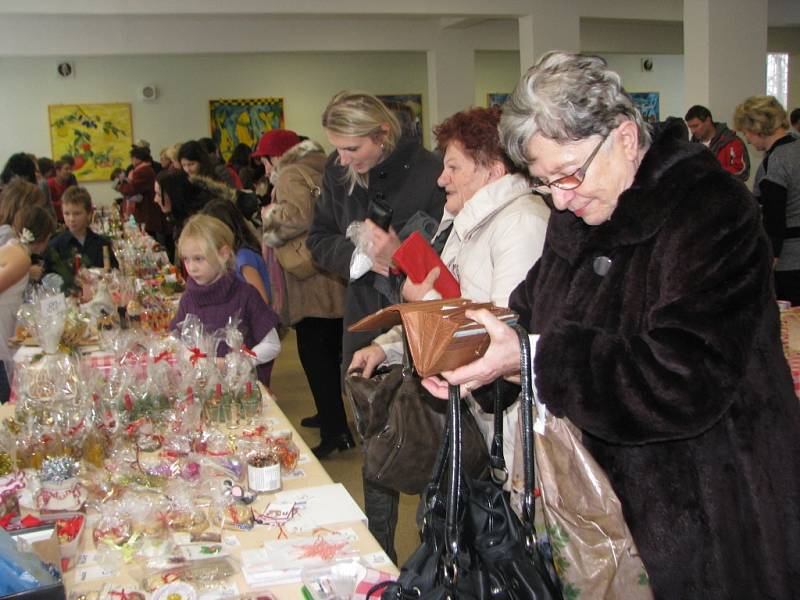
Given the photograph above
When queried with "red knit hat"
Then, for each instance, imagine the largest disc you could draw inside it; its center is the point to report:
(275, 142)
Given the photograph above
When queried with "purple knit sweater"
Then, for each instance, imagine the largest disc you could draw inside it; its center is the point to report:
(228, 296)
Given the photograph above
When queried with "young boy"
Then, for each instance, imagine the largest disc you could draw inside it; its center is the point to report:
(78, 239)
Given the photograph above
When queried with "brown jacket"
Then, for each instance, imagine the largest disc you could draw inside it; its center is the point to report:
(289, 216)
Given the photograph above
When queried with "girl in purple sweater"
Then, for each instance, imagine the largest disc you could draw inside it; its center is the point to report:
(214, 293)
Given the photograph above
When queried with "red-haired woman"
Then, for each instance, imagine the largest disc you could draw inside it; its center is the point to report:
(494, 230)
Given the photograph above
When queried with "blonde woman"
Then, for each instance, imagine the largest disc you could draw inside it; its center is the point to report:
(371, 162)
(32, 227)
(765, 124)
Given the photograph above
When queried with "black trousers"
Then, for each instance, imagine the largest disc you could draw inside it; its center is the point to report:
(319, 344)
(5, 385)
(787, 286)
(381, 506)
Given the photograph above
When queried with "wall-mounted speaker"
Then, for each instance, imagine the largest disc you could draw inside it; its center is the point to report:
(65, 69)
(148, 93)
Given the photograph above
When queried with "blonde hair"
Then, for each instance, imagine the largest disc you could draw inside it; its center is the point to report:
(212, 235)
(355, 114)
(760, 115)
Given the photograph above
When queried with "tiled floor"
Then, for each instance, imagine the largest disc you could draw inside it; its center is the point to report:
(294, 397)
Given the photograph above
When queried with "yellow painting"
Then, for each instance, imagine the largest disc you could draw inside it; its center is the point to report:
(242, 121)
(98, 136)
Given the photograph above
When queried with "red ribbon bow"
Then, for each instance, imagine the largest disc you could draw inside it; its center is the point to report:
(196, 354)
(167, 355)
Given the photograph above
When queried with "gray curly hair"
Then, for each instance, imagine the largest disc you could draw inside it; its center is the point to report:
(566, 97)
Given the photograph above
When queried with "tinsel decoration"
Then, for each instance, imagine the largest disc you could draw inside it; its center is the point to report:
(58, 469)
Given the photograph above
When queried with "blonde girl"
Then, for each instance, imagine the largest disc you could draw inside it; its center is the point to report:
(214, 293)
(32, 227)
(372, 163)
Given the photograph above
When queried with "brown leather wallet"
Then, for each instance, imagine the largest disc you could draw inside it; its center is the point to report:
(439, 334)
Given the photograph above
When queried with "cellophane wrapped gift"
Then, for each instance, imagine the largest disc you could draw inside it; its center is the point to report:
(184, 513)
(61, 490)
(198, 364)
(149, 515)
(113, 531)
(228, 512)
(52, 375)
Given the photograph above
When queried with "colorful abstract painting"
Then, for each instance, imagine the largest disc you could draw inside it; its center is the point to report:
(413, 101)
(98, 136)
(648, 105)
(242, 121)
(496, 98)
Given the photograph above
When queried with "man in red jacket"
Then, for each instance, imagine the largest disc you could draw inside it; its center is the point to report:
(724, 143)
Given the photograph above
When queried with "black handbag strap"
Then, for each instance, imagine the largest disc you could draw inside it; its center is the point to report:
(528, 509)
(497, 461)
(454, 486)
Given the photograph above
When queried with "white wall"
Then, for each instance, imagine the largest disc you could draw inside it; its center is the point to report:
(495, 72)
(665, 78)
(498, 72)
(306, 81)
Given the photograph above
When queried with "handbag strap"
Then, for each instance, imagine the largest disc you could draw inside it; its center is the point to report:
(528, 510)
(497, 461)
(454, 487)
(312, 186)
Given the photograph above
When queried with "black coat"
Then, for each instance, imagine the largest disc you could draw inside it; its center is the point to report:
(672, 366)
(406, 181)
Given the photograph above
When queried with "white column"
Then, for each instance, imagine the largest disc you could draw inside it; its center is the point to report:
(725, 53)
(552, 25)
(451, 76)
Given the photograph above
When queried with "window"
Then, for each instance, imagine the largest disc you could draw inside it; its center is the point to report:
(778, 76)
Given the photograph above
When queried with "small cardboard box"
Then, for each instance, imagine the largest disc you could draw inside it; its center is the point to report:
(44, 542)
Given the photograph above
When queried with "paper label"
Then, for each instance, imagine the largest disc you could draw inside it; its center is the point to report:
(93, 573)
(53, 305)
(264, 479)
(296, 474)
(377, 559)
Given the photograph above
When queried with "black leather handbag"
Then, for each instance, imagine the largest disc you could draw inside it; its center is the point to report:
(401, 426)
(473, 544)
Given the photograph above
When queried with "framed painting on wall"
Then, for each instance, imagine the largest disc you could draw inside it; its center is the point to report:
(242, 121)
(412, 101)
(496, 98)
(648, 105)
(98, 136)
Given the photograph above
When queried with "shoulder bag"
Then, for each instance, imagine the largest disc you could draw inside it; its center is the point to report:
(401, 426)
(473, 544)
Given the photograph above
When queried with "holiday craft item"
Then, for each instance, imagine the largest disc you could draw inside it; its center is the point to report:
(60, 489)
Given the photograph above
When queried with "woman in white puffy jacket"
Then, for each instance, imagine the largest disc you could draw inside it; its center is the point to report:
(494, 230)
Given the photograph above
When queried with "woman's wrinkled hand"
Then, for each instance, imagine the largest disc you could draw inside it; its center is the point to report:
(414, 292)
(384, 245)
(500, 360)
(367, 359)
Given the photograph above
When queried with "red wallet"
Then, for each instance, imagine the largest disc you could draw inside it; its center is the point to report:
(416, 258)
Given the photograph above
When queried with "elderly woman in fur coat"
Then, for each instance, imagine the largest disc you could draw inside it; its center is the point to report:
(314, 299)
(656, 332)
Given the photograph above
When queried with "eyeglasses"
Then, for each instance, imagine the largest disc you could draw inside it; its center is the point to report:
(569, 182)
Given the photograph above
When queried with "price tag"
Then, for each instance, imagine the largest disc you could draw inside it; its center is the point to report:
(53, 305)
